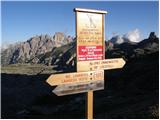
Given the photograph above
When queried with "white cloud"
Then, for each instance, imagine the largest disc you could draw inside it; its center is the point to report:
(119, 39)
(133, 36)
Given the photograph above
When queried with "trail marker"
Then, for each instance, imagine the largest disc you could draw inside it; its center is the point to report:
(67, 89)
(90, 59)
(101, 64)
(76, 77)
(90, 42)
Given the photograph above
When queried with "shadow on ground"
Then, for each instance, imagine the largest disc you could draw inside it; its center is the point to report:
(131, 92)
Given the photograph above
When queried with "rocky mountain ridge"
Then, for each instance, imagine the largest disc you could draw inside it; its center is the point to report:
(24, 51)
(131, 50)
(61, 51)
(65, 56)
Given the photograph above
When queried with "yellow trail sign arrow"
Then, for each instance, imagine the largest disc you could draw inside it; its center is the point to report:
(100, 64)
(68, 78)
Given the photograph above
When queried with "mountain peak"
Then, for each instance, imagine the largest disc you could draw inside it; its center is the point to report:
(152, 35)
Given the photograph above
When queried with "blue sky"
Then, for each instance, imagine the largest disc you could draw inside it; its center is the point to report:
(22, 20)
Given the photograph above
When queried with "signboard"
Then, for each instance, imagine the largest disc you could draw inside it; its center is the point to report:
(90, 59)
(90, 36)
(68, 89)
(70, 78)
(90, 42)
(101, 64)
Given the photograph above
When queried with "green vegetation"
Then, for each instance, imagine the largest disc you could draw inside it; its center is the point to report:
(29, 69)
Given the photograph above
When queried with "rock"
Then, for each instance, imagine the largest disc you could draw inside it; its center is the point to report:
(59, 38)
(23, 112)
(152, 35)
(117, 39)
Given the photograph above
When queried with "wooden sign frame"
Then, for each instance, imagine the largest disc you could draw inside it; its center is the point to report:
(90, 93)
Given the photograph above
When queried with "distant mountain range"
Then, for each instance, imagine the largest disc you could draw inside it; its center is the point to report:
(23, 52)
(132, 49)
(60, 50)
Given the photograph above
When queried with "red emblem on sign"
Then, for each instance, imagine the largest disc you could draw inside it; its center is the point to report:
(90, 53)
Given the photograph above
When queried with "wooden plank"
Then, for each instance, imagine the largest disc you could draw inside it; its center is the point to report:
(76, 77)
(101, 64)
(90, 104)
(68, 89)
(90, 10)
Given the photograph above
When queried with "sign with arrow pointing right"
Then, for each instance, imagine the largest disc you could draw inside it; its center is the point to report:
(106, 64)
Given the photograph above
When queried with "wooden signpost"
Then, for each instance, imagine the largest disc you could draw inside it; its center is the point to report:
(91, 61)
(101, 64)
(70, 78)
(90, 42)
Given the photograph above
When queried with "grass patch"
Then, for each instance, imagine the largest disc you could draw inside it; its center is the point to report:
(31, 69)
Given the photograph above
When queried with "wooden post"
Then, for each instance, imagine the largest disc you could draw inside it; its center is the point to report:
(90, 104)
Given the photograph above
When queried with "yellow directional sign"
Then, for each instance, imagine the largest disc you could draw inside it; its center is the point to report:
(90, 42)
(101, 64)
(68, 89)
(68, 78)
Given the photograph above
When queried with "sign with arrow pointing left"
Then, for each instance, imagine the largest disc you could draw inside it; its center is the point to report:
(76, 77)
(67, 89)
